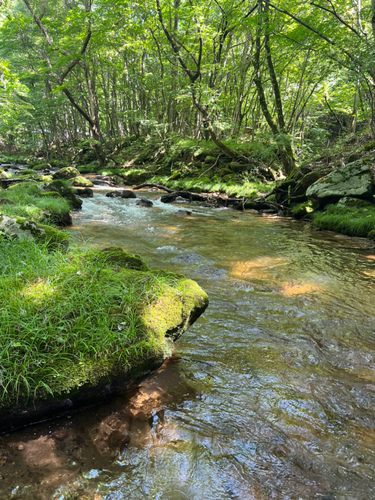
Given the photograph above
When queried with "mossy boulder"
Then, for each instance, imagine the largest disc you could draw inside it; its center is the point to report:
(80, 181)
(108, 327)
(354, 180)
(353, 157)
(209, 160)
(23, 229)
(66, 173)
(4, 175)
(225, 171)
(134, 176)
(65, 191)
(371, 235)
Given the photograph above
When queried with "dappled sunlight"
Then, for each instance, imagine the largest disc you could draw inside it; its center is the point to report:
(39, 291)
(255, 269)
(371, 257)
(290, 289)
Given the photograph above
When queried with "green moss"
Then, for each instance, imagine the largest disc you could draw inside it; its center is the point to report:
(371, 234)
(66, 173)
(117, 256)
(301, 210)
(369, 146)
(63, 188)
(80, 181)
(350, 221)
(29, 201)
(79, 319)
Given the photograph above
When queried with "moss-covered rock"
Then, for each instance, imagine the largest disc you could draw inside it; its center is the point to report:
(66, 173)
(175, 310)
(65, 191)
(371, 235)
(116, 255)
(301, 210)
(23, 229)
(4, 175)
(80, 181)
(108, 326)
(353, 157)
(354, 180)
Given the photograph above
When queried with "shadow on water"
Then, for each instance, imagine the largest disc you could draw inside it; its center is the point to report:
(270, 395)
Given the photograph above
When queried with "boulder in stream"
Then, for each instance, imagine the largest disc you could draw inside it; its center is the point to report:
(356, 179)
(144, 202)
(80, 181)
(122, 193)
(103, 340)
(66, 173)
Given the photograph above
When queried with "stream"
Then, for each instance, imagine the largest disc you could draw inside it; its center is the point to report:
(270, 395)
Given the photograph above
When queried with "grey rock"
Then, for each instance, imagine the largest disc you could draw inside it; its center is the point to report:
(353, 180)
(144, 202)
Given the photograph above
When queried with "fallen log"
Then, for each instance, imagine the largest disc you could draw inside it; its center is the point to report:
(157, 186)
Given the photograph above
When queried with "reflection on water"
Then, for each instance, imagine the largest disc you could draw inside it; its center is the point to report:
(270, 394)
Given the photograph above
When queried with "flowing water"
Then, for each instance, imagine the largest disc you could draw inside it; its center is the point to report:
(270, 395)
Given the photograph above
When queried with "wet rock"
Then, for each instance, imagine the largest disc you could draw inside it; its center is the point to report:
(123, 193)
(168, 198)
(354, 180)
(84, 192)
(66, 173)
(144, 202)
(182, 213)
(211, 271)
(188, 258)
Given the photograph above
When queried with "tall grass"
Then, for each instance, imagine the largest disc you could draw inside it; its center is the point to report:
(66, 319)
(29, 201)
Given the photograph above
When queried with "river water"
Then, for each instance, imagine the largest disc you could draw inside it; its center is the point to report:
(270, 395)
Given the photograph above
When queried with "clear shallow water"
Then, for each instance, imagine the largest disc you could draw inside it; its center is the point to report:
(270, 394)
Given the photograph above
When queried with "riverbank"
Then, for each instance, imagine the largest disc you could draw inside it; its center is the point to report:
(73, 320)
(253, 181)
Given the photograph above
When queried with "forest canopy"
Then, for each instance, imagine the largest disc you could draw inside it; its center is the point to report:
(300, 73)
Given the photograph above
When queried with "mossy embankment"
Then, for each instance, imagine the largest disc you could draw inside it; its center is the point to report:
(74, 320)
